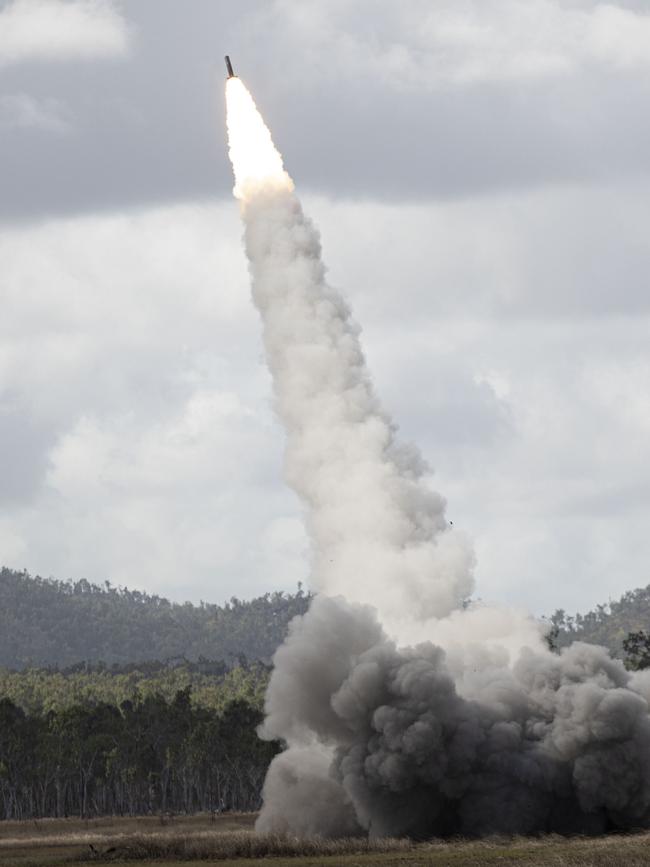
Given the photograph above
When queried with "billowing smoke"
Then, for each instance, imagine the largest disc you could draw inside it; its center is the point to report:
(392, 741)
(404, 710)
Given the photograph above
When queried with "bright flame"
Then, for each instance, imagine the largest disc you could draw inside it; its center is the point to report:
(255, 160)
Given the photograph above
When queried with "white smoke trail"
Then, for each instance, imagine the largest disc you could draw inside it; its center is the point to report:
(378, 532)
(493, 733)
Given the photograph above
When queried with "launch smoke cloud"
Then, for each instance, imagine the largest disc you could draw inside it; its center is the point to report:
(403, 710)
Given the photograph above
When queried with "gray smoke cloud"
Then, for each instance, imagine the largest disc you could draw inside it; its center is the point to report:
(384, 740)
(403, 710)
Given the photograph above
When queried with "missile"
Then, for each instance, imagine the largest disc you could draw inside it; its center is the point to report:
(231, 74)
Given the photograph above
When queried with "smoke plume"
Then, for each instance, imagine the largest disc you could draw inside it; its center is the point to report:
(403, 709)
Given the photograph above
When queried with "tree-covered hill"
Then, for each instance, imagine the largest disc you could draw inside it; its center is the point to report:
(45, 622)
(607, 624)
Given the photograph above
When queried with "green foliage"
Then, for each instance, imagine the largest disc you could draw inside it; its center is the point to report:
(607, 625)
(637, 650)
(212, 685)
(57, 623)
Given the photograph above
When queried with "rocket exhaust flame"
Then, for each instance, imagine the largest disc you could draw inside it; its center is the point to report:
(256, 162)
(476, 729)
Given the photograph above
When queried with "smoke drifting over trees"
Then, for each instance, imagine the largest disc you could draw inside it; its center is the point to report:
(417, 716)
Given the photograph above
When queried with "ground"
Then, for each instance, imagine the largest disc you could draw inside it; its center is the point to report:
(175, 840)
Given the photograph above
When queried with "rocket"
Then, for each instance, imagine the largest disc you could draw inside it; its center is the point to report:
(231, 74)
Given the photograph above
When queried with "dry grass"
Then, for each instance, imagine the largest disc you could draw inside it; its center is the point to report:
(110, 825)
(229, 840)
(216, 846)
(64, 838)
(246, 848)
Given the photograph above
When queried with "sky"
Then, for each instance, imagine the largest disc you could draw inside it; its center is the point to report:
(480, 174)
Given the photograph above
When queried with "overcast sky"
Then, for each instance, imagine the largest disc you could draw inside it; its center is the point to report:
(480, 173)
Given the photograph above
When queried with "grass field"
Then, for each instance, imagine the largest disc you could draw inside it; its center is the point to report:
(229, 840)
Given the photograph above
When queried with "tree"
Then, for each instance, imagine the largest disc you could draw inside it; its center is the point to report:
(637, 650)
(146, 756)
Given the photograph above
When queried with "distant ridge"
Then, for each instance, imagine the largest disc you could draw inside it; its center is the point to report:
(46, 622)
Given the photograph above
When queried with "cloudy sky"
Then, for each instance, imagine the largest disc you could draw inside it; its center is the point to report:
(480, 173)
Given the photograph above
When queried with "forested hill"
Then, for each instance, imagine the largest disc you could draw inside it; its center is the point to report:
(607, 624)
(44, 622)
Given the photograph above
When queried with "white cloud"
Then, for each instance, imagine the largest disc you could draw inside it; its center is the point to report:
(619, 37)
(136, 433)
(416, 43)
(22, 111)
(561, 252)
(61, 30)
(136, 419)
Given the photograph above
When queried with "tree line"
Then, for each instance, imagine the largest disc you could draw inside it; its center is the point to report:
(149, 756)
(212, 684)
